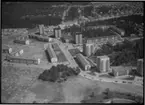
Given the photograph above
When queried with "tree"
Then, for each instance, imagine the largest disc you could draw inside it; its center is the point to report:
(54, 75)
(57, 72)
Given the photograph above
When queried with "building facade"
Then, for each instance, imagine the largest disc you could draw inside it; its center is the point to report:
(39, 38)
(140, 66)
(26, 42)
(78, 38)
(88, 49)
(22, 60)
(41, 29)
(104, 39)
(83, 62)
(122, 72)
(57, 32)
(51, 54)
(103, 63)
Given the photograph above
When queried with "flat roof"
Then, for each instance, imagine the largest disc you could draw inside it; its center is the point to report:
(103, 57)
(21, 57)
(140, 60)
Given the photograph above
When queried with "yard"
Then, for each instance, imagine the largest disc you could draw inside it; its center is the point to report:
(61, 57)
(73, 52)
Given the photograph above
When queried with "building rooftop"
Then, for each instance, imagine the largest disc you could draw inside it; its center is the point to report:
(82, 59)
(21, 57)
(40, 36)
(102, 57)
(22, 38)
(140, 60)
(120, 68)
(57, 28)
(78, 33)
(51, 51)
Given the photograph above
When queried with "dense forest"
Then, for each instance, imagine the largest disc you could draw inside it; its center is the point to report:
(130, 24)
(12, 14)
(128, 52)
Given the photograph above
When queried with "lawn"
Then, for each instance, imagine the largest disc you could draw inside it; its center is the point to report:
(16, 80)
(76, 88)
(55, 47)
(73, 52)
(52, 92)
(60, 56)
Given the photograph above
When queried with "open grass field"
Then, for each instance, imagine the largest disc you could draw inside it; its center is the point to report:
(76, 88)
(16, 80)
(20, 85)
(61, 57)
(73, 52)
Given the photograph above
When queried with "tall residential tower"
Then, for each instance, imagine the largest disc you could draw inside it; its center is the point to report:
(88, 49)
(140, 66)
(103, 63)
(41, 29)
(78, 38)
(57, 32)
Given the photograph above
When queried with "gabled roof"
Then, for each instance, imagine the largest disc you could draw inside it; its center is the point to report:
(82, 59)
(51, 51)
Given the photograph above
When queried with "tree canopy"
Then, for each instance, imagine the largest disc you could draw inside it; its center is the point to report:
(58, 72)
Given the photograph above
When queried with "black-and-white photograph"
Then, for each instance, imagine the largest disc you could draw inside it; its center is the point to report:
(72, 52)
